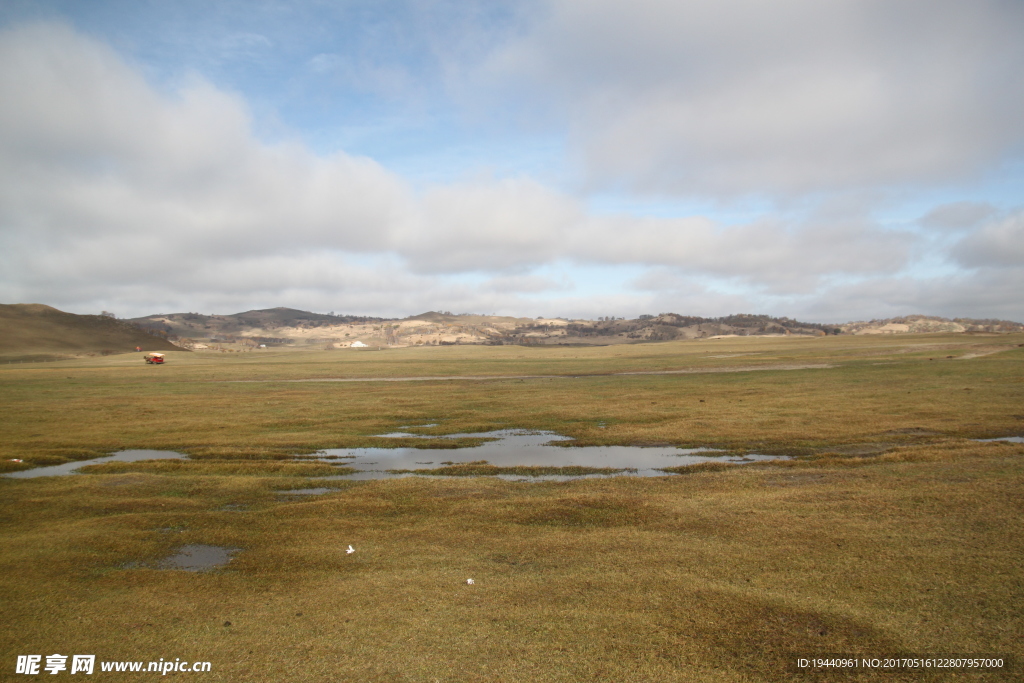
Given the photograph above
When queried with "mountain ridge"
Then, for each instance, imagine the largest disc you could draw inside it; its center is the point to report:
(287, 326)
(43, 332)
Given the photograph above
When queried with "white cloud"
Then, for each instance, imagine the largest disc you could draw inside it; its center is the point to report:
(89, 149)
(527, 284)
(983, 294)
(492, 225)
(116, 195)
(957, 215)
(730, 97)
(999, 243)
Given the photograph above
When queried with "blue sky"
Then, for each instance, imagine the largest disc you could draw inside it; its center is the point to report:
(825, 161)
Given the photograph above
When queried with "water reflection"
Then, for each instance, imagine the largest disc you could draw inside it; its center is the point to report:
(517, 448)
(507, 448)
(71, 467)
(198, 558)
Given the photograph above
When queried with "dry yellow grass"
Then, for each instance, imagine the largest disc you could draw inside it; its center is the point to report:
(899, 536)
(879, 390)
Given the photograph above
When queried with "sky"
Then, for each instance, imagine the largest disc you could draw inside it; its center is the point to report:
(825, 161)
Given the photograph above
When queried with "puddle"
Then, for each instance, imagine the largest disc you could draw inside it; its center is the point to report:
(305, 492)
(509, 448)
(71, 467)
(198, 558)
(401, 434)
(516, 448)
(1011, 439)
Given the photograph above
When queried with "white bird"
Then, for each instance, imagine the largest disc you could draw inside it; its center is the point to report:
(350, 550)
(470, 581)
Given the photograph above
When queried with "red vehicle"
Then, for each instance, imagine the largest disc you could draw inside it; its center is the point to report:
(154, 358)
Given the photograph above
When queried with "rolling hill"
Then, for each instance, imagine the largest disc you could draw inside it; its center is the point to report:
(924, 323)
(35, 331)
(39, 332)
(291, 327)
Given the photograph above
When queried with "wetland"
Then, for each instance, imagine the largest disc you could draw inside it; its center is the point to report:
(518, 455)
(889, 526)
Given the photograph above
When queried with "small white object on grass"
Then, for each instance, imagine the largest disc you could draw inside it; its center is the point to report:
(470, 581)
(350, 550)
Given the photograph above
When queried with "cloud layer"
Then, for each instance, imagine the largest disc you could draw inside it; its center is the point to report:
(116, 194)
(743, 96)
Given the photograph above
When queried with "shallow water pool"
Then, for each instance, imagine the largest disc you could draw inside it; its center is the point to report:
(506, 448)
(72, 467)
(319, 491)
(519, 448)
(198, 558)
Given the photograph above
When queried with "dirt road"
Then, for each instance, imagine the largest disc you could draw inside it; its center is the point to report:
(474, 378)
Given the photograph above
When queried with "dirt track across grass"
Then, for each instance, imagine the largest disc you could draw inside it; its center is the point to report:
(687, 371)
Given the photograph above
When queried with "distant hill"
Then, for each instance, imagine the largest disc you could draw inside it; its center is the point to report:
(271, 325)
(287, 326)
(670, 326)
(294, 328)
(924, 323)
(39, 332)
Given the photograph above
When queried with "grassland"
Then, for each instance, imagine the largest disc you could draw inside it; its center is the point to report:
(893, 532)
